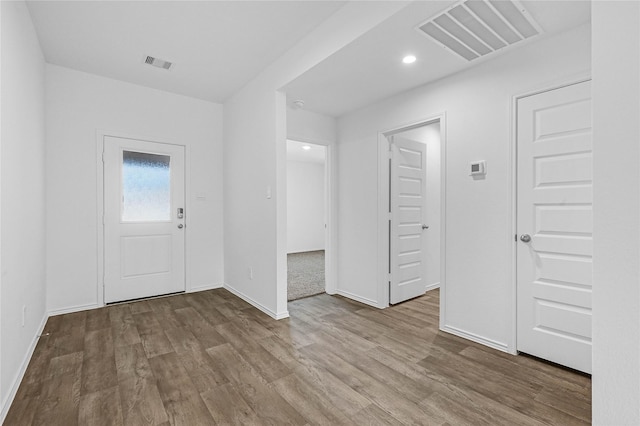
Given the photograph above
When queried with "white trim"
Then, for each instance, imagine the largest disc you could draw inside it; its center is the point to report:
(72, 309)
(100, 216)
(241, 295)
(188, 209)
(383, 206)
(6, 404)
(307, 250)
(432, 286)
(443, 217)
(383, 222)
(361, 299)
(476, 338)
(205, 287)
(100, 135)
(512, 196)
(331, 207)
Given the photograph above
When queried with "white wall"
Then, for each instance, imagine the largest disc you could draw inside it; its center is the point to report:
(616, 223)
(305, 206)
(430, 136)
(78, 105)
(255, 133)
(23, 197)
(477, 103)
(311, 127)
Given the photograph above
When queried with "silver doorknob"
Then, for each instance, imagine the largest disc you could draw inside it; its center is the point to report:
(525, 238)
(180, 226)
(425, 227)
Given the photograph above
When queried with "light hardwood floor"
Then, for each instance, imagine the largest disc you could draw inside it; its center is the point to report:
(210, 358)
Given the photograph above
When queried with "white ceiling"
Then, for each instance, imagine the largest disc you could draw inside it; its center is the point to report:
(219, 46)
(315, 153)
(370, 68)
(216, 46)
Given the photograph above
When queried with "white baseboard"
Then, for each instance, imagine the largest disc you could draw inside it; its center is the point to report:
(476, 338)
(73, 309)
(305, 250)
(360, 299)
(205, 287)
(241, 295)
(432, 287)
(6, 404)
(78, 308)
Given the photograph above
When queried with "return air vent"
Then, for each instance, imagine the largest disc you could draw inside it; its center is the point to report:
(475, 28)
(160, 63)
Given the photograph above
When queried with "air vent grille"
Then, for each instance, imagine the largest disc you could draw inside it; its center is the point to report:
(159, 63)
(475, 28)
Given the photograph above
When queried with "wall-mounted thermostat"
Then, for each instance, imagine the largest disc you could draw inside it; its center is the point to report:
(478, 168)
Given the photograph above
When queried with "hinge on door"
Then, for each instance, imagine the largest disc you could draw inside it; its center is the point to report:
(515, 238)
(103, 156)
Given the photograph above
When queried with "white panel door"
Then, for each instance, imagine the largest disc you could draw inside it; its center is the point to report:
(144, 219)
(555, 226)
(406, 230)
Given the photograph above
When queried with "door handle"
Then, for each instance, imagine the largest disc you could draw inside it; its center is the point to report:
(180, 226)
(425, 226)
(525, 238)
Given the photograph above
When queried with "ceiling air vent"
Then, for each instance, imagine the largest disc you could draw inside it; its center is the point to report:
(475, 28)
(160, 63)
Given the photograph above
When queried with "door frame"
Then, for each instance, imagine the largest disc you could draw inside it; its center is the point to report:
(512, 347)
(100, 252)
(384, 188)
(331, 212)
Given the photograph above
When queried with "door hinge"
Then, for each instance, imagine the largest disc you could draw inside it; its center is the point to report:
(515, 238)
(102, 156)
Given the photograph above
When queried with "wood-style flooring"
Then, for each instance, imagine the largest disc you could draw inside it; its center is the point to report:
(210, 358)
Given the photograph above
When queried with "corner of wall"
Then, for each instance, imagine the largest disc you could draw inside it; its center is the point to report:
(15, 383)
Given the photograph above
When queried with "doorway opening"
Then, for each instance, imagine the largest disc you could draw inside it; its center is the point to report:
(307, 189)
(412, 225)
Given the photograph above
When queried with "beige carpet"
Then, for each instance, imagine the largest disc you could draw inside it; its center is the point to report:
(305, 276)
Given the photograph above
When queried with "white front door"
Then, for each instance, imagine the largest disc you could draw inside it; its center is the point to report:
(406, 230)
(144, 219)
(554, 223)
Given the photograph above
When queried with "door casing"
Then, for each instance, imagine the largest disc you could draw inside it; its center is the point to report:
(100, 135)
(383, 208)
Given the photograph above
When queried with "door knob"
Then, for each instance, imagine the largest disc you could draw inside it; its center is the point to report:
(180, 226)
(525, 238)
(425, 227)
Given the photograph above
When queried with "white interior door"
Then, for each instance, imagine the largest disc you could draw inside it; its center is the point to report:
(554, 223)
(144, 219)
(406, 224)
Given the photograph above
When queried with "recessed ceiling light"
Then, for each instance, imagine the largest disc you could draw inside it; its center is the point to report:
(409, 59)
(306, 147)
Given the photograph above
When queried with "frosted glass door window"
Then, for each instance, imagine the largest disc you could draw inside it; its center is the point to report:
(146, 187)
